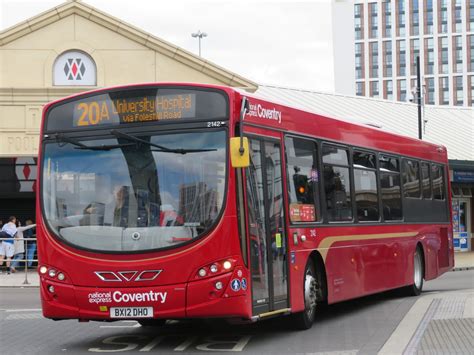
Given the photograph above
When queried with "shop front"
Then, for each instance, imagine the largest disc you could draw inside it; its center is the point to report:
(462, 186)
(17, 188)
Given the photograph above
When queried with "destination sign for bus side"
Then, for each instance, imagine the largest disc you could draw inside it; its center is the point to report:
(103, 111)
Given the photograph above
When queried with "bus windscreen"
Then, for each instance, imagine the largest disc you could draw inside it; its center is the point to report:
(140, 105)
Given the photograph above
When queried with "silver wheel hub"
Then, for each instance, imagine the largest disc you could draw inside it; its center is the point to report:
(310, 292)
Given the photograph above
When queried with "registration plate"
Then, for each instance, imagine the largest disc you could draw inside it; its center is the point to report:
(131, 312)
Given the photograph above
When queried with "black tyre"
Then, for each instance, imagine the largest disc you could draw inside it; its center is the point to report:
(152, 322)
(304, 320)
(418, 274)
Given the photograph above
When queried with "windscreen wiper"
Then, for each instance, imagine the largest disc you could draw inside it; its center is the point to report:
(161, 148)
(79, 145)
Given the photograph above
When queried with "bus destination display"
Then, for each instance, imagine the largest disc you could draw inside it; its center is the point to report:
(102, 110)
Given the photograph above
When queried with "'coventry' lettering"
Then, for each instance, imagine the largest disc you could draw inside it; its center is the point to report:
(272, 114)
(257, 110)
(140, 297)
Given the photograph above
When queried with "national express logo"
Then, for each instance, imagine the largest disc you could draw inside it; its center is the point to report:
(126, 297)
(74, 69)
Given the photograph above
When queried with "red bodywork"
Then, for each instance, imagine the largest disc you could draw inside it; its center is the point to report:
(359, 259)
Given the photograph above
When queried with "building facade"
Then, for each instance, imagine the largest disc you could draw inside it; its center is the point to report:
(388, 36)
(72, 48)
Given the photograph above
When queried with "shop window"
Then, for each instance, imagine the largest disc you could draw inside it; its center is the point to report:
(455, 191)
(466, 192)
(74, 68)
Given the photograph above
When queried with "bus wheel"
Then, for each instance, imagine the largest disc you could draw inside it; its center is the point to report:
(418, 272)
(304, 320)
(152, 322)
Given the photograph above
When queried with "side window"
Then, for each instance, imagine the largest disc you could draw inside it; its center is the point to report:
(389, 175)
(411, 178)
(365, 183)
(303, 180)
(337, 183)
(438, 182)
(425, 180)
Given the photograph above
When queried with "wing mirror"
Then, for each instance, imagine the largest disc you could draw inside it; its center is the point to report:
(239, 146)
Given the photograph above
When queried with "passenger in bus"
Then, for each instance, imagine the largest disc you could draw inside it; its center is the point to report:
(336, 198)
(121, 206)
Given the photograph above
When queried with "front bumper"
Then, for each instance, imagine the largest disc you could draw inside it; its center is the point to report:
(197, 299)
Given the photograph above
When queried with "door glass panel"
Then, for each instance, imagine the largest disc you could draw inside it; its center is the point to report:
(257, 231)
(276, 219)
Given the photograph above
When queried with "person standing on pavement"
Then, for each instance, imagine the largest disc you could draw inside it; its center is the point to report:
(19, 244)
(6, 247)
(30, 244)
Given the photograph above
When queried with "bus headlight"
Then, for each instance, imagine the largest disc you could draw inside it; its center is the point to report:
(216, 268)
(61, 276)
(52, 273)
(227, 264)
(43, 270)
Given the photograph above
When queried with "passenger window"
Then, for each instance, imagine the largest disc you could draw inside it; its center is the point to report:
(411, 178)
(365, 182)
(334, 155)
(389, 175)
(303, 180)
(438, 182)
(388, 163)
(364, 160)
(425, 180)
(337, 184)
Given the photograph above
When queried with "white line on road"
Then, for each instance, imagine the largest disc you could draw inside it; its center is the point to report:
(135, 325)
(22, 310)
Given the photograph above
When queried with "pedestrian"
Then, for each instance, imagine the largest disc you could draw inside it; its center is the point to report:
(6, 247)
(31, 243)
(19, 243)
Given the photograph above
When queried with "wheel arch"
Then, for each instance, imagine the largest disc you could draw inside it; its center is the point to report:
(419, 245)
(320, 270)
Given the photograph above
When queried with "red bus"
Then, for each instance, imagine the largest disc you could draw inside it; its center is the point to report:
(177, 201)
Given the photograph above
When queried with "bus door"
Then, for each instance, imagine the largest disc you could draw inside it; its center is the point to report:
(268, 244)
